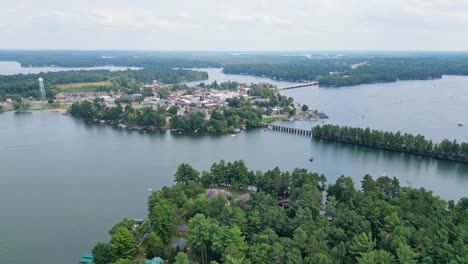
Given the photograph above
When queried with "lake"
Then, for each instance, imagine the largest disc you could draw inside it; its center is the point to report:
(64, 182)
(432, 108)
(216, 74)
(14, 67)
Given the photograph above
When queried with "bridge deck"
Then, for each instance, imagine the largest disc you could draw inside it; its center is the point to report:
(299, 85)
(291, 130)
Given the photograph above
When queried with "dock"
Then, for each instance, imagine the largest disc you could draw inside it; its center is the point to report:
(291, 130)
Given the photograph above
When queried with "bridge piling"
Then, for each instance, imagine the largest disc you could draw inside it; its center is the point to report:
(290, 130)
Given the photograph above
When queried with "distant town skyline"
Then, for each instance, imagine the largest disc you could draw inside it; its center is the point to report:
(242, 25)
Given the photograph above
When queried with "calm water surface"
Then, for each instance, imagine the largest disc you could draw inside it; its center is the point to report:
(13, 67)
(432, 108)
(216, 74)
(65, 182)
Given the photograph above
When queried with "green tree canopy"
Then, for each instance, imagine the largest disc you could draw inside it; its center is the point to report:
(124, 243)
(104, 253)
(186, 173)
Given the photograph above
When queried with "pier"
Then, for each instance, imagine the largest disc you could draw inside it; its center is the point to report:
(299, 85)
(291, 130)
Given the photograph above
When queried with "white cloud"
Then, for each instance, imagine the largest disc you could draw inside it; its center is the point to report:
(240, 24)
(255, 18)
(137, 18)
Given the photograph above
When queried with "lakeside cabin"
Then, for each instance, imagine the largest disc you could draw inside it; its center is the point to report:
(182, 230)
(181, 244)
(156, 260)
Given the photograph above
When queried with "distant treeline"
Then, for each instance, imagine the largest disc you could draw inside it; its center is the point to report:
(336, 72)
(451, 150)
(393, 69)
(291, 71)
(26, 85)
(105, 58)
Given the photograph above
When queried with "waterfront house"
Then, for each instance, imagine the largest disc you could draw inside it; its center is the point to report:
(285, 203)
(182, 230)
(60, 96)
(180, 244)
(214, 193)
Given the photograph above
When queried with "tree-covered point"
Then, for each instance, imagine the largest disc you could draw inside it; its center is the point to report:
(26, 85)
(291, 71)
(19, 105)
(418, 144)
(285, 220)
(222, 119)
(142, 117)
(346, 71)
(393, 69)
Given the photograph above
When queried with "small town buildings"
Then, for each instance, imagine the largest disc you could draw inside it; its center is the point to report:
(263, 84)
(210, 106)
(106, 98)
(60, 96)
(131, 97)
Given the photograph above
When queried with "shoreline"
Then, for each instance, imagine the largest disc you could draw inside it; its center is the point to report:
(52, 110)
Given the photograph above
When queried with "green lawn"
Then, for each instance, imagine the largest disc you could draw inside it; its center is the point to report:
(270, 119)
(82, 85)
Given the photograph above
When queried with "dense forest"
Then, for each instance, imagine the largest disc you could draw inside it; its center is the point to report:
(26, 85)
(352, 71)
(291, 71)
(393, 69)
(286, 220)
(418, 144)
(105, 58)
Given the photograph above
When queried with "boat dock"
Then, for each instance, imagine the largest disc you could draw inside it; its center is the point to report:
(291, 130)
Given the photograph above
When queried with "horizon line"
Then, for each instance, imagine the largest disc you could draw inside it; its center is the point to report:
(228, 50)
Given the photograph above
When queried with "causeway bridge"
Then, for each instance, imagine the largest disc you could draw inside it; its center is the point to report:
(299, 85)
(291, 130)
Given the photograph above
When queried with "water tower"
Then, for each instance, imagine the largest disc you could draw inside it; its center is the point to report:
(41, 88)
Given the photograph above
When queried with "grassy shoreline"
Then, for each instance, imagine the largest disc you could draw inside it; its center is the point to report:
(271, 119)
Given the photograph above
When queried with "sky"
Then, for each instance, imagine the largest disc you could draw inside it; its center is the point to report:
(254, 25)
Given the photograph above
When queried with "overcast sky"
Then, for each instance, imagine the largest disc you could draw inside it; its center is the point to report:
(235, 24)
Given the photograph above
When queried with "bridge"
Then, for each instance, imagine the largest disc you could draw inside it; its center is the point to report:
(291, 130)
(299, 85)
